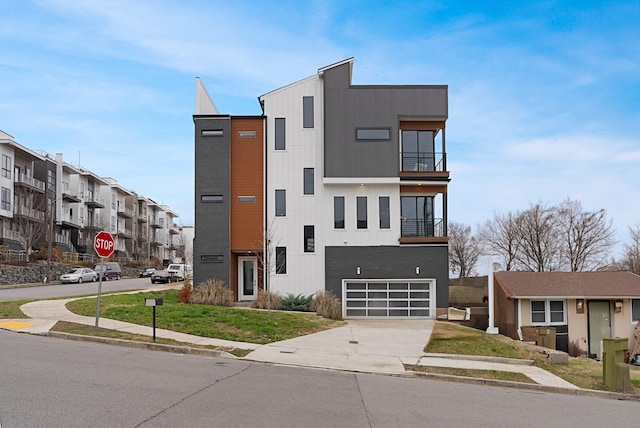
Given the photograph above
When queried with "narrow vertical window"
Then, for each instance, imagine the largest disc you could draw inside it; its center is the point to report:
(281, 260)
(361, 212)
(385, 221)
(338, 212)
(308, 181)
(307, 112)
(309, 239)
(280, 133)
(281, 203)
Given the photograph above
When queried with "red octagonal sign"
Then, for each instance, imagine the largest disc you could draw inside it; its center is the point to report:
(103, 244)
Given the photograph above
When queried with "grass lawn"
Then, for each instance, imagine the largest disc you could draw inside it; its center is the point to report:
(243, 325)
(11, 310)
(450, 338)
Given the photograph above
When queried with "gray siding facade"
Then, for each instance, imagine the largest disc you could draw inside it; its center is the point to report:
(347, 107)
(211, 245)
(388, 263)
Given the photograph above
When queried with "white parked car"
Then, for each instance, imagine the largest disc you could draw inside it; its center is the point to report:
(79, 275)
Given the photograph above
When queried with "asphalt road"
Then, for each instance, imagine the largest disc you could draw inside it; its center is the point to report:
(69, 290)
(55, 383)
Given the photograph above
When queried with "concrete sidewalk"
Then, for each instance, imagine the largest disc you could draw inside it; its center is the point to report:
(369, 346)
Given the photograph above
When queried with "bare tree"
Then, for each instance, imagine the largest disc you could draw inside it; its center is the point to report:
(500, 238)
(30, 218)
(587, 236)
(631, 251)
(538, 239)
(464, 249)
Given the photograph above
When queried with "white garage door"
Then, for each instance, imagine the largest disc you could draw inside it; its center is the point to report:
(388, 298)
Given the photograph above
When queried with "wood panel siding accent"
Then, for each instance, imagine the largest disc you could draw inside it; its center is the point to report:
(423, 189)
(247, 179)
(424, 240)
(432, 175)
(421, 125)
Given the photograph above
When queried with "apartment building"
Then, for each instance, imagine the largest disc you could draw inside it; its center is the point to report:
(41, 193)
(336, 187)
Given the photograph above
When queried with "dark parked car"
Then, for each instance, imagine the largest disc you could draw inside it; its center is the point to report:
(147, 273)
(161, 276)
(111, 270)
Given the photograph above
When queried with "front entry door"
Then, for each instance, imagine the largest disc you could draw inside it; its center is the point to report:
(247, 278)
(599, 326)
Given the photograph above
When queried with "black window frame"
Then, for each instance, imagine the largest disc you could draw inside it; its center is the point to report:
(280, 128)
(307, 112)
(281, 203)
(338, 212)
(309, 239)
(384, 212)
(362, 221)
(308, 187)
(281, 260)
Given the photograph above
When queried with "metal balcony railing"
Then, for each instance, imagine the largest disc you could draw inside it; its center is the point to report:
(422, 161)
(29, 181)
(412, 228)
(29, 212)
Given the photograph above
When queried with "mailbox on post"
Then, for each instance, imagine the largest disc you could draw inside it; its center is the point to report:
(150, 301)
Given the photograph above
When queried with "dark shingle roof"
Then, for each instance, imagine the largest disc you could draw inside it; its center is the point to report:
(569, 284)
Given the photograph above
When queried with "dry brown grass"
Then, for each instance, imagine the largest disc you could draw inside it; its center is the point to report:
(212, 292)
(326, 305)
(266, 300)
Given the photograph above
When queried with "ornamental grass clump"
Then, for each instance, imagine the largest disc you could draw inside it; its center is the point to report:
(326, 305)
(212, 292)
(266, 300)
(298, 303)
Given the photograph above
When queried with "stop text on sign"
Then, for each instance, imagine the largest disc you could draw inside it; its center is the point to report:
(104, 244)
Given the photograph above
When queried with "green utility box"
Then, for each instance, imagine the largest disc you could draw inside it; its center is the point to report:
(615, 373)
(546, 336)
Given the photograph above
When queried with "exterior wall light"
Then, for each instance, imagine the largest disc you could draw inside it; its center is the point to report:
(580, 306)
(417, 270)
(358, 270)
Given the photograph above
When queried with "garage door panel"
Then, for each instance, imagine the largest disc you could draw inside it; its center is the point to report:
(388, 298)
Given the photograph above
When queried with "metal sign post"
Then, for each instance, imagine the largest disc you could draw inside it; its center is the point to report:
(153, 302)
(104, 246)
(99, 290)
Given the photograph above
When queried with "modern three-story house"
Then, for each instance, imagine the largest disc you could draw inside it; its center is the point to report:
(336, 187)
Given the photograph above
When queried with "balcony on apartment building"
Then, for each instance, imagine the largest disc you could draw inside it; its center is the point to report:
(142, 218)
(124, 212)
(124, 233)
(62, 240)
(29, 213)
(10, 238)
(93, 200)
(175, 230)
(68, 222)
(21, 180)
(416, 230)
(155, 224)
(68, 194)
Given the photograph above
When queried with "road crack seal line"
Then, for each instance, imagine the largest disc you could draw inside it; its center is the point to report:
(364, 406)
(183, 399)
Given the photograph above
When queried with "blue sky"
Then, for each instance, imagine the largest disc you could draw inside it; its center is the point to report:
(544, 97)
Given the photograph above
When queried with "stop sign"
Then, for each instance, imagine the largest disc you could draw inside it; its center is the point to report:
(103, 244)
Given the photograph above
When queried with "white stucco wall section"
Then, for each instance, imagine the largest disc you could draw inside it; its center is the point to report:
(304, 149)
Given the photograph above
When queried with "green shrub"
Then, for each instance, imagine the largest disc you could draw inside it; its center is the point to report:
(326, 305)
(212, 292)
(266, 300)
(298, 303)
